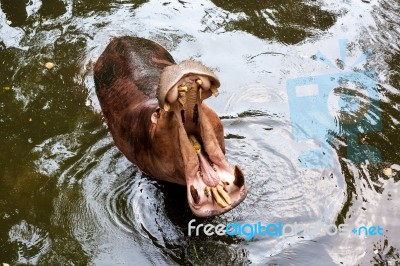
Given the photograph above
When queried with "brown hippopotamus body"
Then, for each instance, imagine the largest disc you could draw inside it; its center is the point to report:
(155, 111)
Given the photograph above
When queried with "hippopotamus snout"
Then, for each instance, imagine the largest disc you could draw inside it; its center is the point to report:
(177, 138)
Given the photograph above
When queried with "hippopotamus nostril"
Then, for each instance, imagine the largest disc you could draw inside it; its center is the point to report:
(195, 194)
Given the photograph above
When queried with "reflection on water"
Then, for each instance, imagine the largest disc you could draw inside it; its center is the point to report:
(68, 196)
(289, 22)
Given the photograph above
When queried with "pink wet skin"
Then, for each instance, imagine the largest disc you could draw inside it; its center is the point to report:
(208, 173)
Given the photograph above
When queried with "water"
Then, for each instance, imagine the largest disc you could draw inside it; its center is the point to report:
(68, 196)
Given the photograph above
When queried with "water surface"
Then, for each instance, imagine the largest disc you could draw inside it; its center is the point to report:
(68, 196)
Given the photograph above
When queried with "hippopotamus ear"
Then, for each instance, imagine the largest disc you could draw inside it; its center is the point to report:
(155, 115)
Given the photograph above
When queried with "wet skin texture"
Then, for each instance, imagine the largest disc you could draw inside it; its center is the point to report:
(127, 76)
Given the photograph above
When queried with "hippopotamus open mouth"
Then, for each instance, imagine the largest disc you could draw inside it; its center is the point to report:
(179, 139)
(213, 187)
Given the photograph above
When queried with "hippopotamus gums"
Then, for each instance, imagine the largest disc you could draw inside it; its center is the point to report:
(155, 112)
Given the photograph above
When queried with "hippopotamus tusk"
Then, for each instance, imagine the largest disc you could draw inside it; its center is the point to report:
(155, 111)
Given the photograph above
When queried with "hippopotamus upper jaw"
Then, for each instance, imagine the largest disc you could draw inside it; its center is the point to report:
(213, 187)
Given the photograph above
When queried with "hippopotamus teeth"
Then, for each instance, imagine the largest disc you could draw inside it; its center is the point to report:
(166, 107)
(224, 195)
(217, 198)
(182, 88)
(206, 191)
(204, 82)
(195, 194)
(214, 91)
(181, 101)
(239, 177)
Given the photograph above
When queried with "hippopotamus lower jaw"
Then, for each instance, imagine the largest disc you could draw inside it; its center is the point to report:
(213, 187)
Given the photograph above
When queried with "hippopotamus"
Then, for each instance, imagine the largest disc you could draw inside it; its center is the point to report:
(156, 113)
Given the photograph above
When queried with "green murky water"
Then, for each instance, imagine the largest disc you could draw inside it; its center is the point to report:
(68, 196)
